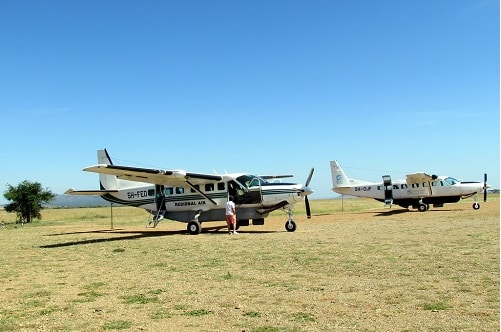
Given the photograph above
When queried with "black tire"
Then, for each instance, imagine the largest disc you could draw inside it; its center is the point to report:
(194, 227)
(290, 226)
(476, 206)
(422, 207)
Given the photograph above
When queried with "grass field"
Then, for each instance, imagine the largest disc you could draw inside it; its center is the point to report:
(354, 266)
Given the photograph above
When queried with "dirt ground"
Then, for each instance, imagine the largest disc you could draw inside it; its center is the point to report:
(372, 269)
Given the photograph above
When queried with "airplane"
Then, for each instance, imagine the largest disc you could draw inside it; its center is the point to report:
(196, 198)
(419, 190)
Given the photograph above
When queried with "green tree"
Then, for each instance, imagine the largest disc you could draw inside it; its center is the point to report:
(27, 200)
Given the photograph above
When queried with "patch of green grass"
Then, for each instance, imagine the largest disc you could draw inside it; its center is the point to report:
(94, 285)
(38, 294)
(117, 325)
(436, 306)
(48, 311)
(181, 307)
(197, 313)
(89, 296)
(302, 317)
(156, 291)
(252, 314)
(34, 304)
(162, 314)
(139, 299)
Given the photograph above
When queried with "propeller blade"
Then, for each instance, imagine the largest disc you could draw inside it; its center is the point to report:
(485, 187)
(307, 203)
(309, 177)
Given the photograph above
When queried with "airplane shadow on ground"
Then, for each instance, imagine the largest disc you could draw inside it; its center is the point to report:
(134, 235)
(396, 212)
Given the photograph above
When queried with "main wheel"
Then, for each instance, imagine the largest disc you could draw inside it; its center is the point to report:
(422, 207)
(476, 206)
(290, 226)
(194, 227)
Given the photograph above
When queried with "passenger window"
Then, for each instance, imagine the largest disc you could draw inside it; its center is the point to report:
(179, 190)
(209, 187)
(221, 186)
(196, 186)
(395, 186)
(403, 186)
(151, 192)
(168, 191)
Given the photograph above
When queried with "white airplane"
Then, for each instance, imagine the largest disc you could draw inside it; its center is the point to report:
(419, 190)
(194, 198)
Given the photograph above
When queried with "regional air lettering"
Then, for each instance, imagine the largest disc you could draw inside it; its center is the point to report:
(189, 203)
(368, 188)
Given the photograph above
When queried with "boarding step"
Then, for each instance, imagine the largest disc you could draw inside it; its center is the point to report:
(154, 222)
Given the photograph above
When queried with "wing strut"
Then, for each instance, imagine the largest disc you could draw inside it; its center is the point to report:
(200, 192)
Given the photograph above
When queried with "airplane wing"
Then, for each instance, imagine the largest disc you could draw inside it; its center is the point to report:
(418, 178)
(421, 178)
(175, 178)
(72, 191)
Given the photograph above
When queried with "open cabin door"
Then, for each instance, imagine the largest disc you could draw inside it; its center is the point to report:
(159, 213)
(246, 190)
(160, 199)
(388, 190)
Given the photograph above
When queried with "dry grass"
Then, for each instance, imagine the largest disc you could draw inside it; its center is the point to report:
(364, 269)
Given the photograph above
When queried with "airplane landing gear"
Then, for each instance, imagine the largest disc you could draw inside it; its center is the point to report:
(290, 225)
(194, 227)
(423, 207)
(476, 205)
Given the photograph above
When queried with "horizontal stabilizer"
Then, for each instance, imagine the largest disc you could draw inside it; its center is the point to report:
(88, 192)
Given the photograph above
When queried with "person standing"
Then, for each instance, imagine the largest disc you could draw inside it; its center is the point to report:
(231, 216)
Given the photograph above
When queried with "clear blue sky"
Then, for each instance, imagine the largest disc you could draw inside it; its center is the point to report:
(266, 87)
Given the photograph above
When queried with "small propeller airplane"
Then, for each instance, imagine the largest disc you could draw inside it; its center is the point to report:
(419, 190)
(194, 198)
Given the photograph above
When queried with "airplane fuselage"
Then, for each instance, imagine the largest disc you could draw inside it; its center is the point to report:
(440, 191)
(183, 203)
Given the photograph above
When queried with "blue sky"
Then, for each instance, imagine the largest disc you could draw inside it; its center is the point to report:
(266, 87)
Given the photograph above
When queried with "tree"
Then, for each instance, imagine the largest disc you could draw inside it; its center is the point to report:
(27, 200)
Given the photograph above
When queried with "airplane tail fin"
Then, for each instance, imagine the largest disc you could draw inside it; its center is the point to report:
(339, 178)
(107, 182)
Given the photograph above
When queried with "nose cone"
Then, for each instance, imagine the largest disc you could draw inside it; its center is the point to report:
(307, 191)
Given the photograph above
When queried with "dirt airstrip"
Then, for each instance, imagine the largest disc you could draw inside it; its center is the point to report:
(364, 269)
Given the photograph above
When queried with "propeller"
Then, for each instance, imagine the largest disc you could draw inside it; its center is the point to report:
(306, 202)
(485, 187)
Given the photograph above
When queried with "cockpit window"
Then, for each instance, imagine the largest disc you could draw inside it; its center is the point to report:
(251, 180)
(451, 181)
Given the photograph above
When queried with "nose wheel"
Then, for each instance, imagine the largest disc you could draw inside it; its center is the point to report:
(290, 225)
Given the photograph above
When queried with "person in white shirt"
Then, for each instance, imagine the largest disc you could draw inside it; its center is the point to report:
(231, 216)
